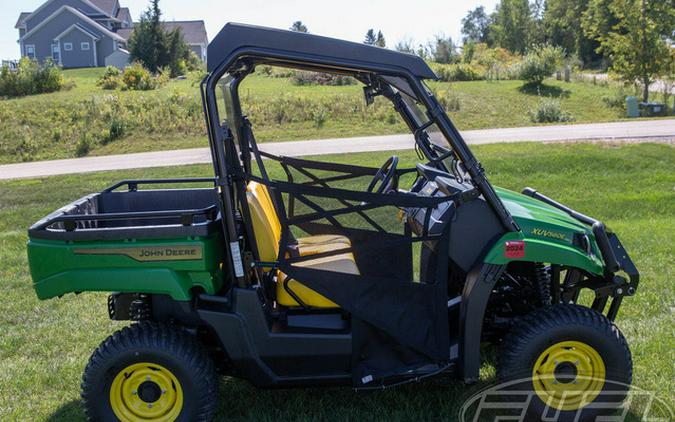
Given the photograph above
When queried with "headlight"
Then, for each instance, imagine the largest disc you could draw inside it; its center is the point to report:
(583, 242)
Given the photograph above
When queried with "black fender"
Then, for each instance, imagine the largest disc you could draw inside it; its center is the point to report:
(477, 289)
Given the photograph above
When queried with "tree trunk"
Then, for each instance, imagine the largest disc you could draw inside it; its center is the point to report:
(645, 89)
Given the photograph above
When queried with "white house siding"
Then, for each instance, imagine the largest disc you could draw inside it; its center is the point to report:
(35, 19)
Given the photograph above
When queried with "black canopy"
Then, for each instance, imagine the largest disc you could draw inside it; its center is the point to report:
(235, 36)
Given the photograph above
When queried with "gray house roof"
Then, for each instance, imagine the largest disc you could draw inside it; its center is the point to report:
(108, 6)
(125, 33)
(22, 17)
(194, 32)
(124, 14)
(80, 15)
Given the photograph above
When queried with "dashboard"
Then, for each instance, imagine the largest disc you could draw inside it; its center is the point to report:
(473, 225)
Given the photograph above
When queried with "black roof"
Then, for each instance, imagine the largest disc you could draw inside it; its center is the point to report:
(234, 36)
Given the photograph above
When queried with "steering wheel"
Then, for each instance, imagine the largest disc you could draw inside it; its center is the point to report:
(386, 175)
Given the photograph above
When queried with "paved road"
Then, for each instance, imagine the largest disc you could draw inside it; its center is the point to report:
(599, 131)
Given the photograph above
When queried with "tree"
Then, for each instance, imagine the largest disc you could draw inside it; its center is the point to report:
(442, 50)
(155, 47)
(298, 26)
(405, 45)
(178, 51)
(513, 25)
(539, 63)
(147, 43)
(634, 34)
(374, 39)
(562, 26)
(476, 25)
(380, 41)
(370, 38)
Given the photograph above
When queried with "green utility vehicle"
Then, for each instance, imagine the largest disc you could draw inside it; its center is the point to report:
(335, 274)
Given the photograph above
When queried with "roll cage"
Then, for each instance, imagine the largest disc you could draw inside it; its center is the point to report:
(238, 49)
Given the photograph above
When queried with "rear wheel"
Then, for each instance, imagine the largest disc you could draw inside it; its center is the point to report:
(570, 359)
(149, 372)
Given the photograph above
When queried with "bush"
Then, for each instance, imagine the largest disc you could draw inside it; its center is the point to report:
(539, 63)
(111, 78)
(616, 100)
(301, 77)
(30, 78)
(83, 145)
(138, 78)
(549, 111)
(117, 130)
(459, 72)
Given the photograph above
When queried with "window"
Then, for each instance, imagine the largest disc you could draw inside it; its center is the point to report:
(84, 46)
(30, 51)
(56, 53)
(68, 46)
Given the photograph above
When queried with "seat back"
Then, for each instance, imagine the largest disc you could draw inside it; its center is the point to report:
(265, 222)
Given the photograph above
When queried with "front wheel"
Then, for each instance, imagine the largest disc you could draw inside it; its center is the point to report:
(572, 360)
(149, 372)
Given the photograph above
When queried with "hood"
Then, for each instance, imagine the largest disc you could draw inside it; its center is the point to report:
(540, 220)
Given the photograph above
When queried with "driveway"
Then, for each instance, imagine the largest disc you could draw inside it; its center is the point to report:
(632, 130)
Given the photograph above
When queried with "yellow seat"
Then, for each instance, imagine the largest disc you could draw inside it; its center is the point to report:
(267, 231)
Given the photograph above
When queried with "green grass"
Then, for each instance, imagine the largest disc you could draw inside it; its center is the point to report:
(56, 125)
(44, 346)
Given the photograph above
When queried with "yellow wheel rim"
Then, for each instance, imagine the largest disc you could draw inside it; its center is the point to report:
(146, 392)
(568, 375)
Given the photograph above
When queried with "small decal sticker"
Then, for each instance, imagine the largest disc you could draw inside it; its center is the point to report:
(150, 253)
(548, 233)
(514, 249)
(236, 259)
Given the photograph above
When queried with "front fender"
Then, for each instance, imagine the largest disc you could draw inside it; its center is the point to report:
(542, 250)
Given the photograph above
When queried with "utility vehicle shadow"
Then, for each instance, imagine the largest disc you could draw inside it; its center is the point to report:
(544, 91)
(71, 411)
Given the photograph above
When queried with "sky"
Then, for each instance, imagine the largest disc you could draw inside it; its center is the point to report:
(418, 21)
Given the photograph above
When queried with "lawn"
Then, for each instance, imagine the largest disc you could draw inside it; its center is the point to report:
(45, 345)
(87, 120)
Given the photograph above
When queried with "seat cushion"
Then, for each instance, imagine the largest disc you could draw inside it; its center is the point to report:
(321, 243)
(267, 231)
(266, 225)
(342, 263)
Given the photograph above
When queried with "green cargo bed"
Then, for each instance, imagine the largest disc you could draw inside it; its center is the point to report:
(161, 241)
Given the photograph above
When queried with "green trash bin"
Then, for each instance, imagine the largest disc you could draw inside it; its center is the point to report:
(632, 108)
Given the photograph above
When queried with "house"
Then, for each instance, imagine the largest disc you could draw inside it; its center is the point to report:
(194, 33)
(89, 33)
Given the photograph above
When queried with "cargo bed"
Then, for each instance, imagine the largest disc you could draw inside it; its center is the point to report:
(132, 213)
(162, 241)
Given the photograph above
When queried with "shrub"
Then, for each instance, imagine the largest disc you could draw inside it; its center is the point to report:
(320, 115)
(549, 111)
(117, 130)
(83, 145)
(617, 99)
(30, 78)
(138, 78)
(301, 77)
(458, 72)
(539, 63)
(111, 78)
